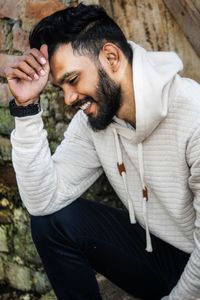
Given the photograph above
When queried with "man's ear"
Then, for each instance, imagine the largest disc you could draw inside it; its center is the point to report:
(110, 57)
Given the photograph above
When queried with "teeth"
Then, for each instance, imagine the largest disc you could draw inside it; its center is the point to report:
(85, 105)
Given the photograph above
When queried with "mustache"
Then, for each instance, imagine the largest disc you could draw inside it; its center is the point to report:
(80, 102)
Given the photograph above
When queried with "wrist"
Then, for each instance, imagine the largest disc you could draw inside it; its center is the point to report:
(28, 102)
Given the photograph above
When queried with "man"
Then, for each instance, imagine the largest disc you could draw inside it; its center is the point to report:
(138, 121)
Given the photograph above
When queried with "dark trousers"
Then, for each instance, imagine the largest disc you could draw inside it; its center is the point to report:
(87, 236)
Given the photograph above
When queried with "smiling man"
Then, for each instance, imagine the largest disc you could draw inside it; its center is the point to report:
(91, 88)
(139, 122)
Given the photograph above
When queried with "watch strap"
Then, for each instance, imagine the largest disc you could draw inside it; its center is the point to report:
(23, 111)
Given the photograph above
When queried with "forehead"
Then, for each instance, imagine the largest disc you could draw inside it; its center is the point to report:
(64, 60)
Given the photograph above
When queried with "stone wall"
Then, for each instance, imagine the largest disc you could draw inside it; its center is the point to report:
(21, 274)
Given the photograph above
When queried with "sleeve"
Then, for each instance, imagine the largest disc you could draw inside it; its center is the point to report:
(48, 183)
(188, 286)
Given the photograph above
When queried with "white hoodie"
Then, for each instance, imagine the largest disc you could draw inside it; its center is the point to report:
(161, 158)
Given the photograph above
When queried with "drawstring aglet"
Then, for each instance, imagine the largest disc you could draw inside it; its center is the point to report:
(121, 168)
(145, 193)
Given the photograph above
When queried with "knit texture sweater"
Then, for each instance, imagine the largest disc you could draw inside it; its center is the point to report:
(162, 154)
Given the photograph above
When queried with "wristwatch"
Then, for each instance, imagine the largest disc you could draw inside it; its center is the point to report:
(23, 111)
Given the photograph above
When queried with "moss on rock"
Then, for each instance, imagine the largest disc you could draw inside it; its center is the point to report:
(7, 121)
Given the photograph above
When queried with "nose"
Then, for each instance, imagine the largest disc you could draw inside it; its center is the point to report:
(70, 97)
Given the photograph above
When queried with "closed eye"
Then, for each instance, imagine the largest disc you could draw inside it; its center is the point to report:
(73, 80)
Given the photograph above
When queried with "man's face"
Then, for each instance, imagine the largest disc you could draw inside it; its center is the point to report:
(86, 86)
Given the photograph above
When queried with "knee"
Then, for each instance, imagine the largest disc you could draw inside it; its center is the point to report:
(62, 222)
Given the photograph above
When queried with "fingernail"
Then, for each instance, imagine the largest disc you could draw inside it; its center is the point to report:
(43, 60)
(29, 78)
(42, 72)
(36, 76)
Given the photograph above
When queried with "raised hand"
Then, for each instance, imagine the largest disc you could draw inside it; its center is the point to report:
(28, 75)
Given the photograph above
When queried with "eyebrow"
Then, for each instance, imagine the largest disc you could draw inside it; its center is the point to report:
(65, 77)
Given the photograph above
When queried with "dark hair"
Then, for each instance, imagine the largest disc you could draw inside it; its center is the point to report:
(86, 27)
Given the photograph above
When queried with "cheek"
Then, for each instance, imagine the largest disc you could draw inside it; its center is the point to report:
(88, 86)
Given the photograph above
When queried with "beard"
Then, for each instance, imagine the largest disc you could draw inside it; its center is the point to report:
(108, 101)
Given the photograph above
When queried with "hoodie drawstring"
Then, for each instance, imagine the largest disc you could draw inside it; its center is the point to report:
(145, 198)
(122, 172)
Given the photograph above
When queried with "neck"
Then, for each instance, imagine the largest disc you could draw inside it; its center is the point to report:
(127, 110)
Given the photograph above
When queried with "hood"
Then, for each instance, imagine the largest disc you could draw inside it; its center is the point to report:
(153, 77)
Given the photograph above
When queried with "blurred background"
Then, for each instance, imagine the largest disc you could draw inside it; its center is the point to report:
(167, 25)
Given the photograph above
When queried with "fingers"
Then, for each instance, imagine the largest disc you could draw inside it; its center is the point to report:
(40, 58)
(44, 50)
(32, 64)
(12, 73)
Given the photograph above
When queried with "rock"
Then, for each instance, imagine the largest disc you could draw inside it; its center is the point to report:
(49, 296)
(5, 217)
(5, 191)
(22, 240)
(109, 291)
(7, 121)
(4, 203)
(10, 9)
(5, 95)
(3, 239)
(2, 273)
(20, 38)
(36, 10)
(18, 260)
(8, 178)
(25, 297)
(88, 2)
(5, 145)
(41, 282)
(60, 129)
(19, 277)
(5, 35)
(44, 102)
(5, 60)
